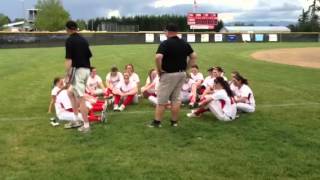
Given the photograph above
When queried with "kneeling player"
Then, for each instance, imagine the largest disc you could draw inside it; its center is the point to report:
(61, 102)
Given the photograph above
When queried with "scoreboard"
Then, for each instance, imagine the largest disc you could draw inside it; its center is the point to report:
(202, 20)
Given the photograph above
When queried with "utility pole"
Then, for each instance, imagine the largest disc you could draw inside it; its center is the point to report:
(195, 6)
(23, 10)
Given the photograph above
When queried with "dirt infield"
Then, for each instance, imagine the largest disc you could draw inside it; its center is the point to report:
(305, 57)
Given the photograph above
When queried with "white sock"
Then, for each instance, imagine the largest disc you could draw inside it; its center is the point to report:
(75, 117)
(86, 124)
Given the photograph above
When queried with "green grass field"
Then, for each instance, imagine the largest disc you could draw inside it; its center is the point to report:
(279, 141)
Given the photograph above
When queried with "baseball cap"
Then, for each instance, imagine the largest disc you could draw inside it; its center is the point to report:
(172, 27)
(71, 25)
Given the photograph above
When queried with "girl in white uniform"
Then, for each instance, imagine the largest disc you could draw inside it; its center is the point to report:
(185, 93)
(94, 83)
(221, 103)
(125, 91)
(61, 102)
(231, 82)
(216, 72)
(129, 68)
(149, 89)
(244, 95)
(198, 91)
(133, 76)
(113, 78)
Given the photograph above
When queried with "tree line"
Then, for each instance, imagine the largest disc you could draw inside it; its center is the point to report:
(145, 22)
(309, 19)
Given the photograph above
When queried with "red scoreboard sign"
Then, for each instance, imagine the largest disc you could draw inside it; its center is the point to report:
(202, 20)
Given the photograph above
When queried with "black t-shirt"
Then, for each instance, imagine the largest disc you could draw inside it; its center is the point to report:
(175, 52)
(77, 49)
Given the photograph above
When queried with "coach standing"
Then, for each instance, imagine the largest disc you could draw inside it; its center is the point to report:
(173, 58)
(78, 57)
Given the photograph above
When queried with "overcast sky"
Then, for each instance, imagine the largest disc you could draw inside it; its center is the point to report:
(229, 10)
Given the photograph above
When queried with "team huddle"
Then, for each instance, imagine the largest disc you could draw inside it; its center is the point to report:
(83, 97)
(224, 99)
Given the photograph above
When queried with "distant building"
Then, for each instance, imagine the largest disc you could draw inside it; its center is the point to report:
(32, 15)
(255, 29)
(15, 27)
(27, 25)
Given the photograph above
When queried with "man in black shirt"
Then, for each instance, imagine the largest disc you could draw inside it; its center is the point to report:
(173, 58)
(78, 57)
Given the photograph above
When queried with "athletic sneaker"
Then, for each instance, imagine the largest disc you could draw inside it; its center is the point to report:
(73, 124)
(83, 129)
(155, 124)
(174, 123)
(54, 124)
(116, 108)
(121, 108)
(192, 115)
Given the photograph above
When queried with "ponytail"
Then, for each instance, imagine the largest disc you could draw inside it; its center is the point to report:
(225, 85)
(241, 79)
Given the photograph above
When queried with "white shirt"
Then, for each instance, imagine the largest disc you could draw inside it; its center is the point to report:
(93, 83)
(123, 87)
(154, 88)
(208, 82)
(135, 78)
(197, 77)
(55, 91)
(233, 88)
(228, 106)
(187, 86)
(62, 102)
(114, 80)
(245, 91)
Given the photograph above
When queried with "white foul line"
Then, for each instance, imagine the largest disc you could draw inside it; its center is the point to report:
(147, 112)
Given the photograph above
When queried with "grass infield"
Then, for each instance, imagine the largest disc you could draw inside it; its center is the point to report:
(279, 141)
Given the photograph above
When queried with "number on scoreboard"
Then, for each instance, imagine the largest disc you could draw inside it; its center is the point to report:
(202, 20)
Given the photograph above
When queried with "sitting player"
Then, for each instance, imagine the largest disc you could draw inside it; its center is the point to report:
(129, 68)
(125, 92)
(243, 95)
(150, 87)
(197, 91)
(95, 106)
(231, 82)
(95, 85)
(220, 72)
(216, 72)
(207, 86)
(198, 79)
(221, 103)
(133, 76)
(185, 93)
(196, 76)
(63, 107)
(113, 78)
